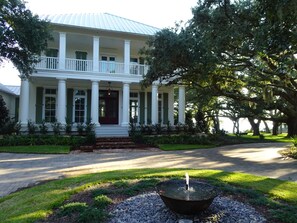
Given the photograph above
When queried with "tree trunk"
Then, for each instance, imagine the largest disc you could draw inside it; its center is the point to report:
(236, 126)
(275, 128)
(267, 130)
(255, 126)
(292, 126)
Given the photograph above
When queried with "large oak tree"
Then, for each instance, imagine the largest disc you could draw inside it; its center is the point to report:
(23, 36)
(244, 50)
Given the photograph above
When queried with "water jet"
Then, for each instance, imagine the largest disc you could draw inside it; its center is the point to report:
(186, 198)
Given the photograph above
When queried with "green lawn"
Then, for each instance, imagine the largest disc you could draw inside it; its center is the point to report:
(171, 147)
(267, 137)
(44, 149)
(32, 204)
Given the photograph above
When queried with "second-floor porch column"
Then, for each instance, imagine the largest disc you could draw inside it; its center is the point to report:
(154, 104)
(126, 99)
(127, 57)
(181, 104)
(62, 50)
(96, 53)
(24, 102)
(95, 103)
(61, 111)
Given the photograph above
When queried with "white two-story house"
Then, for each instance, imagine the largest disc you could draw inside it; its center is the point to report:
(92, 71)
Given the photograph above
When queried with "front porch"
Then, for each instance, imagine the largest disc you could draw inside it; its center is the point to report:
(109, 105)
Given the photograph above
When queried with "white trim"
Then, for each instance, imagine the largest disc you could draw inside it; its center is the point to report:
(86, 104)
(43, 101)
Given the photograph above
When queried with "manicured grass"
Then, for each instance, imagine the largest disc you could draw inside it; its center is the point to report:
(36, 203)
(171, 147)
(268, 137)
(44, 149)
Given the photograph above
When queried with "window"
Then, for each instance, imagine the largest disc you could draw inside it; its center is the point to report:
(50, 105)
(160, 108)
(79, 106)
(108, 64)
(134, 104)
(51, 58)
(133, 66)
(81, 63)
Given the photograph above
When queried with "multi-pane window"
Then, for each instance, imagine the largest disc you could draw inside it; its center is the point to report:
(134, 104)
(79, 106)
(160, 108)
(108, 64)
(50, 105)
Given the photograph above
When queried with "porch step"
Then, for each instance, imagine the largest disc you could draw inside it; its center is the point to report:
(114, 143)
(111, 131)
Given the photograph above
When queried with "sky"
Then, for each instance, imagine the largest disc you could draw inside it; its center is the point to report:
(158, 13)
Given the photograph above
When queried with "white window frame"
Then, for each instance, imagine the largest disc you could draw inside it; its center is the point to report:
(110, 64)
(138, 101)
(49, 95)
(86, 104)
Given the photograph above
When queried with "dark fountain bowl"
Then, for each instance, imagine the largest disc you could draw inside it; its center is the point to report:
(189, 202)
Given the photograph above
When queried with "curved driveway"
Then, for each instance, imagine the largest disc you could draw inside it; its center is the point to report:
(22, 170)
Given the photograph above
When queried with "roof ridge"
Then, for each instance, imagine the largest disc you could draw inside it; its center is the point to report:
(130, 20)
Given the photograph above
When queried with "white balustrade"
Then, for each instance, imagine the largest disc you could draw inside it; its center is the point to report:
(79, 65)
(51, 63)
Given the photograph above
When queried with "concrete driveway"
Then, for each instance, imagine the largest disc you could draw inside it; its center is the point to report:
(22, 170)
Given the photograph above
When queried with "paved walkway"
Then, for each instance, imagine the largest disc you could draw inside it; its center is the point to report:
(22, 170)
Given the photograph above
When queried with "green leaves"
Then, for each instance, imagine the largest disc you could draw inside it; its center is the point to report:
(23, 35)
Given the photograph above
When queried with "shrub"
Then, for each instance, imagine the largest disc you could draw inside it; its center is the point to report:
(3, 112)
(92, 215)
(102, 201)
(43, 128)
(20, 140)
(69, 208)
(80, 128)
(31, 127)
(57, 128)
(68, 127)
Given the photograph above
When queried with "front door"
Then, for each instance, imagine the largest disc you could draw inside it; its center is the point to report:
(109, 107)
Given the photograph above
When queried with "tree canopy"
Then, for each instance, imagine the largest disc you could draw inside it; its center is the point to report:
(23, 35)
(245, 50)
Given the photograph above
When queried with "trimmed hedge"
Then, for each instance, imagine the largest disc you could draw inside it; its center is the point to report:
(24, 140)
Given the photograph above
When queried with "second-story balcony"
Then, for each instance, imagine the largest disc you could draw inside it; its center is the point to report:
(52, 63)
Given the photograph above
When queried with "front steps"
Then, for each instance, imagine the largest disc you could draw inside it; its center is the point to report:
(111, 131)
(110, 143)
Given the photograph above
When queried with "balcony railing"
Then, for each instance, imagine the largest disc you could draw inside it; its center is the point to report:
(52, 63)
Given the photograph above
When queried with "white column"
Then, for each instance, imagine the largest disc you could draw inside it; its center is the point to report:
(24, 102)
(61, 107)
(126, 99)
(171, 106)
(96, 53)
(62, 50)
(181, 104)
(154, 104)
(127, 57)
(95, 103)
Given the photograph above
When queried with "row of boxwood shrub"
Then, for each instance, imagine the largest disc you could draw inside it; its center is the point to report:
(155, 140)
(24, 140)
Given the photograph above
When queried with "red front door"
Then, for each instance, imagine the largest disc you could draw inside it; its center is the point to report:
(109, 107)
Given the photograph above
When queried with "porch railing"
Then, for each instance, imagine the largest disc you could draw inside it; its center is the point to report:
(52, 63)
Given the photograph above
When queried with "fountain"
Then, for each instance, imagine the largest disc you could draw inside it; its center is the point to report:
(183, 198)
